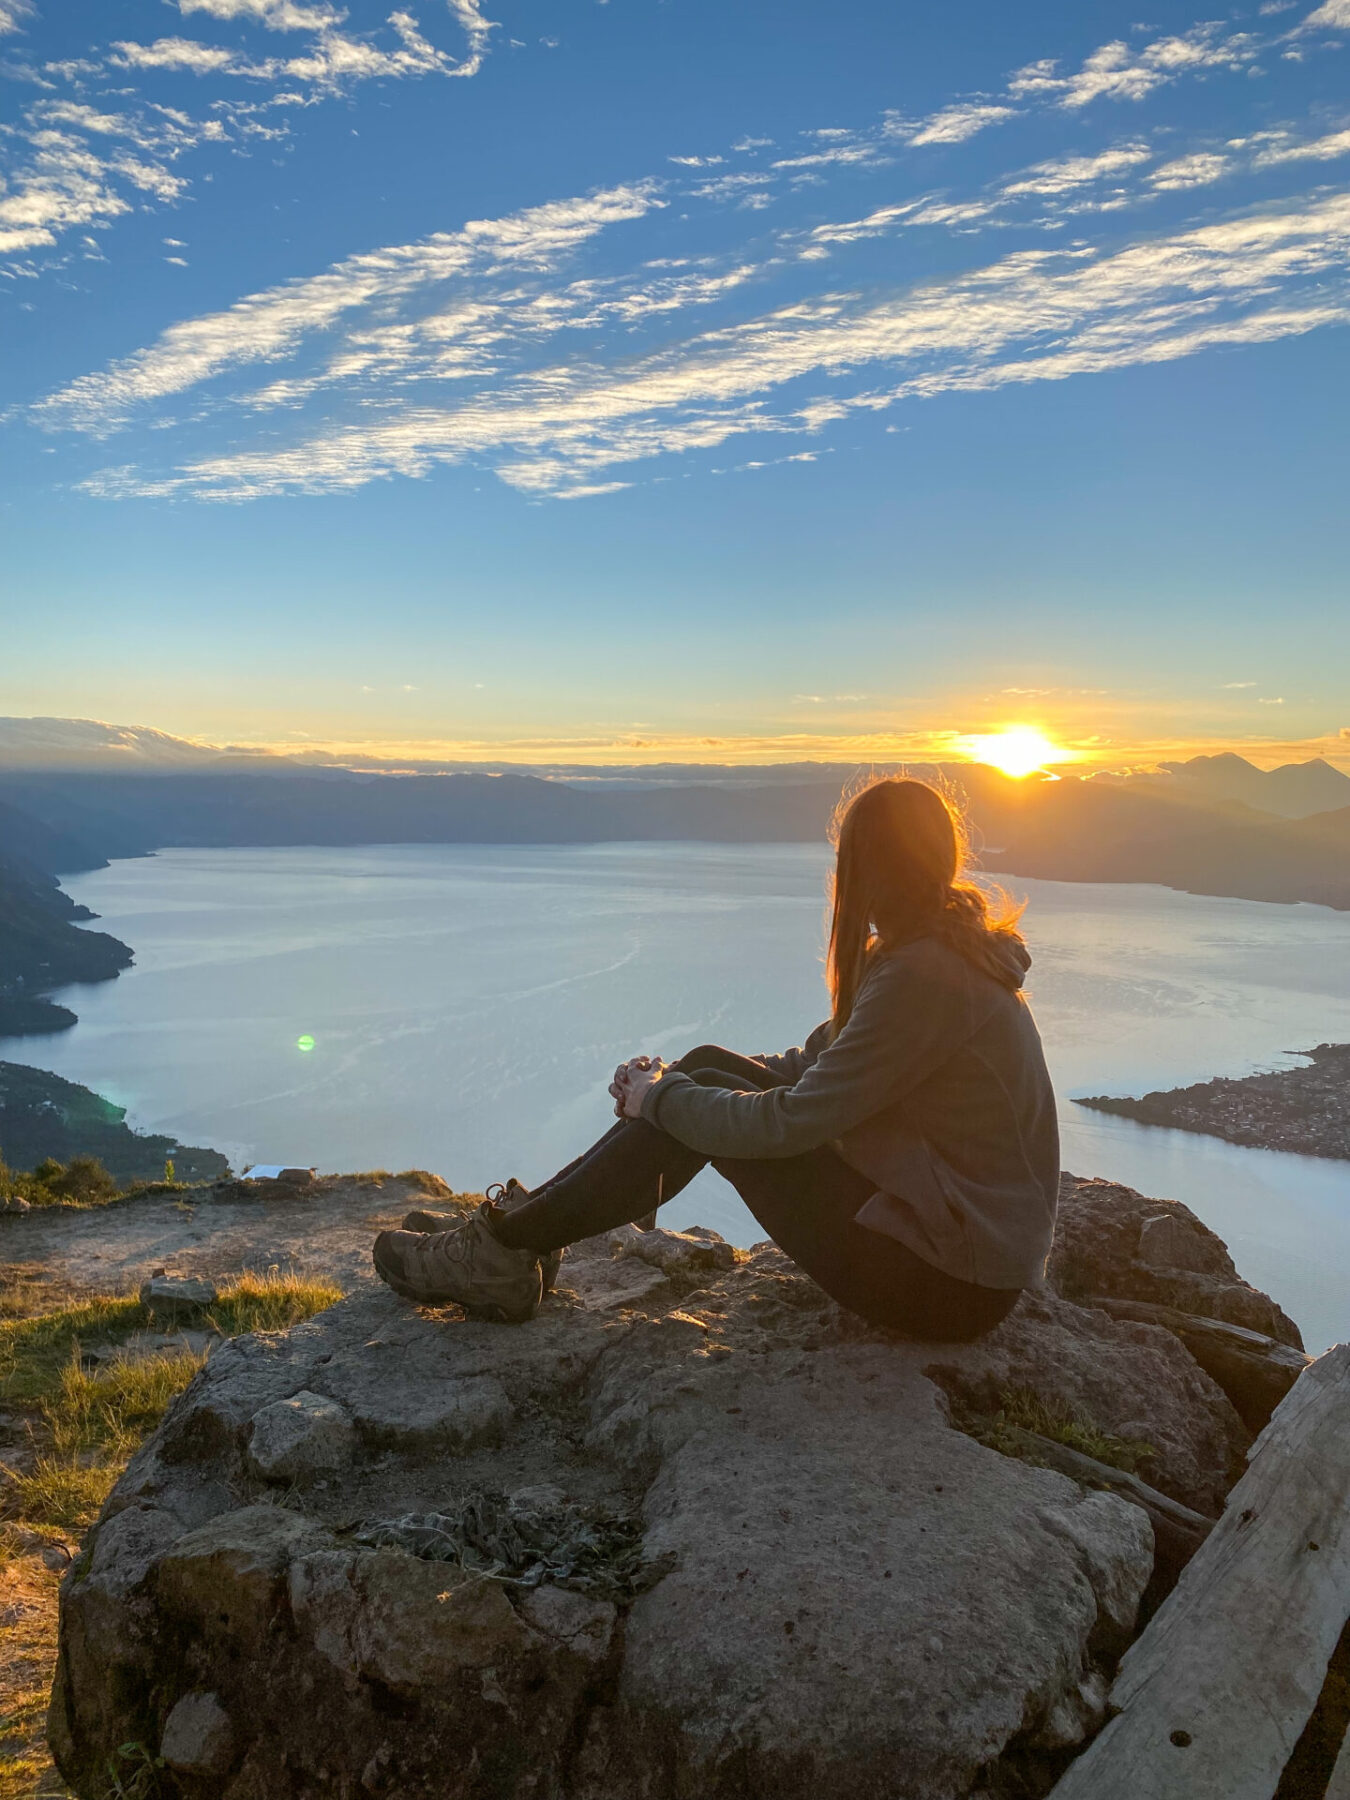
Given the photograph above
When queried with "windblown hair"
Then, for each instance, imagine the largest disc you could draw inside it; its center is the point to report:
(901, 854)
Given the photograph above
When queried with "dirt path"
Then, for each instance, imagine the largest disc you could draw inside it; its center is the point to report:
(324, 1230)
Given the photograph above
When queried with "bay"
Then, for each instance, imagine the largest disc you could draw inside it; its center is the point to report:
(467, 1006)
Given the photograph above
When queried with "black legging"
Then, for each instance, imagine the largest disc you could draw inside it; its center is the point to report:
(807, 1204)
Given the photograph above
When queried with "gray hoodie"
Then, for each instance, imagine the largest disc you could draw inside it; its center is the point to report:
(936, 1089)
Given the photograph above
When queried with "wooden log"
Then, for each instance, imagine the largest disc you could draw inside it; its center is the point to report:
(1253, 1370)
(1212, 1697)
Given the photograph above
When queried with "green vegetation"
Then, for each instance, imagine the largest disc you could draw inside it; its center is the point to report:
(43, 1116)
(1022, 1412)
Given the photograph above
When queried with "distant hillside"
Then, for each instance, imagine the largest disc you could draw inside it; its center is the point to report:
(40, 945)
(43, 1116)
(1293, 791)
(1068, 830)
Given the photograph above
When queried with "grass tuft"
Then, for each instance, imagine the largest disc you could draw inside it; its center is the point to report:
(1022, 1410)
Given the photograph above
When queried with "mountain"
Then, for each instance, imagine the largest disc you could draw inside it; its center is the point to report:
(41, 945)
(1293, 791)
(89, 743)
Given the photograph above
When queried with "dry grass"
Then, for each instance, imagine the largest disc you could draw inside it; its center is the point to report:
(28, 1621)
(83, 1426)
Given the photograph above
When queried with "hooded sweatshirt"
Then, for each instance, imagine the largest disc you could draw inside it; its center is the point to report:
(936, 1089)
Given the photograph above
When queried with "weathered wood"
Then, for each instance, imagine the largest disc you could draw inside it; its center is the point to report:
(1253, 1370)
(1212, 1697)
(1338, 1788)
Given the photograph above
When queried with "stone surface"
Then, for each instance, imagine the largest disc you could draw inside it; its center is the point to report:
(674, 1251)
(198, 1736)
(783, 1571)
(172, 1294)
(1097, 1251)
(301, 1437)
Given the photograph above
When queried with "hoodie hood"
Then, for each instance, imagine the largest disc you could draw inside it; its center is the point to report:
(1014, 956)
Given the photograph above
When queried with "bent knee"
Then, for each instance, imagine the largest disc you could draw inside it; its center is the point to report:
(702, 1056)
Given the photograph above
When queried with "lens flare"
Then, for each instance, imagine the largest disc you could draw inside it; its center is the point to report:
(1019, 751)
(304, 1043)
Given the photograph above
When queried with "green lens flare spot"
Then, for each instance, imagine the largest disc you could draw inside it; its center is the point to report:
(304, 1043)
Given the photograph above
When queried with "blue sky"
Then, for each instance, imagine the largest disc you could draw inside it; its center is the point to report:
(666, 378)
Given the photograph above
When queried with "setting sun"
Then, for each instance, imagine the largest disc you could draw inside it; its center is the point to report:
(1018, 751)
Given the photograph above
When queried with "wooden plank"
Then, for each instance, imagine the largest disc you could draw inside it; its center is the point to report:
(1339, 1786)
(1212, 1697)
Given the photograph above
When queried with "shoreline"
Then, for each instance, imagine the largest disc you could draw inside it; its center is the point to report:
(1305, 1111)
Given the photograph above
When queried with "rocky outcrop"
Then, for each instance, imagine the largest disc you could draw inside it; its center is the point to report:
(691, 1531)
(1111, 1241)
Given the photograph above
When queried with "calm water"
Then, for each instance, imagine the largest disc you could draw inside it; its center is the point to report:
(468, 1005)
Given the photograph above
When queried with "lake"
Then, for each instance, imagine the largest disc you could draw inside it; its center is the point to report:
(467, 1006)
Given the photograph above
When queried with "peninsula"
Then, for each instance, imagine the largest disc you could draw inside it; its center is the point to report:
(1304, 1110)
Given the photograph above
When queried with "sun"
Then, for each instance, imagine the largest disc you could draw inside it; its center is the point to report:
(1018, 750)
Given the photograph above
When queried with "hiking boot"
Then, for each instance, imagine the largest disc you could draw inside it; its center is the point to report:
(466, 1266)
(504, 1197)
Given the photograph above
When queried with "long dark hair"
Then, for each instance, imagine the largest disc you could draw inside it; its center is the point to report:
(901, 852)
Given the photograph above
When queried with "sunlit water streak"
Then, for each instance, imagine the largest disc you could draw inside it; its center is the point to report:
(468, 1006)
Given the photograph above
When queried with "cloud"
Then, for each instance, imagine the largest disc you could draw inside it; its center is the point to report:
(1068, 173)
(1334, 16)
(1323, 149)
(1239, 684)
(13, 15)
(181, 53)
(1034, 315)
(276, 15)
(266, 326)
(954, 124)
(1192, 171)
(1117, 72)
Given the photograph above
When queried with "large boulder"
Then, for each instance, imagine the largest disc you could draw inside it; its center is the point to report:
(1111, 1242)
(713, 1537)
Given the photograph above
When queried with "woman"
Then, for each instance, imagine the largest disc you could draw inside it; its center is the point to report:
(907, 1157)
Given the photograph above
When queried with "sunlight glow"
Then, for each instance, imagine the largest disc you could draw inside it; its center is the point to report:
(1018, 751)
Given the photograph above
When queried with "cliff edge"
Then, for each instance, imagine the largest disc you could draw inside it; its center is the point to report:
(691, 1531)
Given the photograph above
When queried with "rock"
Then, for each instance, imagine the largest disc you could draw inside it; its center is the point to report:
(725, 1541)
(674, 1251)
(1132, 1381)
(16, 1204)
(601, 1289)
(1109, 1241)
(174, 1294)
(301, 1437)
(198, 1736)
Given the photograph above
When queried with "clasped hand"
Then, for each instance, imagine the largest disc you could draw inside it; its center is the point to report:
(631, 1083)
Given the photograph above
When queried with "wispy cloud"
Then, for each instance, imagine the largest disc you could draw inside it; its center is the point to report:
(1118, 71)
(58, 179)
(1282, 149)
(954, 124)
(1068, 173)
(266, 326)
(1031, 316)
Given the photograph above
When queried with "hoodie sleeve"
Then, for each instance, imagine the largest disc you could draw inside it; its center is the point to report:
(793, 1064)
(916, 1007)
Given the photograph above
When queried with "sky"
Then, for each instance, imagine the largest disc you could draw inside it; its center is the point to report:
(661, 379)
